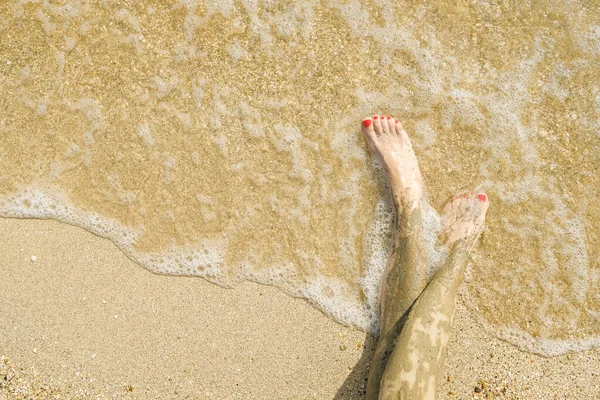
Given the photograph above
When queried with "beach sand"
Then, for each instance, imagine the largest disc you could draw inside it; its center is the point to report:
(84, 321)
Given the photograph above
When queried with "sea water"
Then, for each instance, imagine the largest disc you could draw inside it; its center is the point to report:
(221, 139)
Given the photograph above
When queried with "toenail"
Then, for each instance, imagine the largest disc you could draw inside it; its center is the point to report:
(389, 117)
(482, 197)
(375, 116)
(367, 123)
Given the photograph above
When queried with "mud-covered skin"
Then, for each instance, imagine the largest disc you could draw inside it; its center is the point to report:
(403, 280)
(405, 277)
(412, 370)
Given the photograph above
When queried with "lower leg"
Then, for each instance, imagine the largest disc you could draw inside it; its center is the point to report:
(405, 276)
(414, 366)
(403, 281)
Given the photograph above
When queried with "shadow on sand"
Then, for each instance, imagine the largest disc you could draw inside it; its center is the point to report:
(355, 385)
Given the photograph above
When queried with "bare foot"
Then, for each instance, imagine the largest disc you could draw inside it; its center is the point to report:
(391, 145)
(464, 218)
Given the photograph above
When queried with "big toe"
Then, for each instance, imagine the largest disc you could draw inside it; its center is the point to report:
(484, 202)
(367, 128)
(476, 203)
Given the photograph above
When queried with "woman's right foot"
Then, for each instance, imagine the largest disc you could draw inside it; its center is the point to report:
(390, 144)
(463, 218)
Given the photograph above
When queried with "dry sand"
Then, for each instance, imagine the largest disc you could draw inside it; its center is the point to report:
(83, 321)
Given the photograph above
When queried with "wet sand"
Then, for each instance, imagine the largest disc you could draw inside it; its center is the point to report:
(83, 321)
(221, 139)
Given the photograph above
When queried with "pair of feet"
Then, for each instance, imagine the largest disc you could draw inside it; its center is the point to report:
(463, 217)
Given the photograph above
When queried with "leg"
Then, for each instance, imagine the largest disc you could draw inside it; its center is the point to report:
(413, 369)
(404, 277)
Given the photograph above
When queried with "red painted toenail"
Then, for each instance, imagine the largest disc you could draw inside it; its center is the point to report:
(482, 197)
(375, 116)
(367, 123)
(389, 117)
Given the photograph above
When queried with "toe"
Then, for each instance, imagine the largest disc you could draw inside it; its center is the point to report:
(402, 133)
(471, 198)
(385, 127)
(391, 125)
(448, 206)
(484, 202)
(452, 204)
(478, 199)
(397, 126)
(461, 195)
(377, 125)
(367, 128)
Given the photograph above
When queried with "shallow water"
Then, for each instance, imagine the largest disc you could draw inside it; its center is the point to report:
(221, 139)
